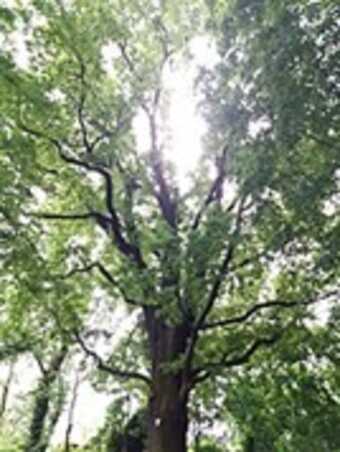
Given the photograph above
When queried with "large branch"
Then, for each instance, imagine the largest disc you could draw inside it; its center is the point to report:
(162, 193)
(215, 192)
(267, 305)
(214, 293)
(128, 249)
(108, 277)
(124, 246)
(253, 310)
(162, 190)
(215, 290)
(123, 374)
(6, 386)
(189, 353)
(80, 104)
(62, 216)
(206, 370)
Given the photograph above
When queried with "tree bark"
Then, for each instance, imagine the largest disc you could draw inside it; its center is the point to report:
(168, 422)
(168, 404)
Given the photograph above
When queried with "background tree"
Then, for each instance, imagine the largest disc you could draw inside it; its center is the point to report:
(288, 401)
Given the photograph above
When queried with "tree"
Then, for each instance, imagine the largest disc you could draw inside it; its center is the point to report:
(288, 402)
(38, 438)
(221, 273)
(120, 433)
(6, 386)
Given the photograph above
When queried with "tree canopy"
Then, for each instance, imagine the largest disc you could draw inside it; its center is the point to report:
(228, 287)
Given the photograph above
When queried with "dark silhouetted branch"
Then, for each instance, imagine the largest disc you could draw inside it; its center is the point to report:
(263, 306)
(215, 192)
(101, 365)
(111, 223)
(61, 216)
(207, 369)
(107, 276)
(214, 293)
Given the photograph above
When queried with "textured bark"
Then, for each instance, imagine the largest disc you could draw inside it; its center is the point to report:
(168, 421)
(168, 412)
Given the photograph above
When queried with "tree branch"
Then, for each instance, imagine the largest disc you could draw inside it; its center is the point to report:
(222, 270)
(189, 353)
(80, 107)
(162, 192)
(123, 374)
(109, 224)
(215, 192)
(206, 370)
(107, 275)
(61, 216)
(253, 310)
(267, 305)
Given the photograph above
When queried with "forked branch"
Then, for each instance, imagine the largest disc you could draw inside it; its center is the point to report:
(107, 276)
(110, 223)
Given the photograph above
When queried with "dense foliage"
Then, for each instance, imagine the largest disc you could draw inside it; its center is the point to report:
(212, 310)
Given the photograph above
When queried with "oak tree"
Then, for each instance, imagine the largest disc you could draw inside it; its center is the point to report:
(222, 273)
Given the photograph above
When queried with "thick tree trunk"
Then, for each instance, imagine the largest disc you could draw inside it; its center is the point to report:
(168, 422)
(168, 405)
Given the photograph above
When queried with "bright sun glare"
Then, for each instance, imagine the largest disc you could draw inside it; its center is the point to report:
(185, 126)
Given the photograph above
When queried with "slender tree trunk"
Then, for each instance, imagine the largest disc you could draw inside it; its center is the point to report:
(6, 388)
(70, 420)
(168, 404)
(54, 417)
(36, 441)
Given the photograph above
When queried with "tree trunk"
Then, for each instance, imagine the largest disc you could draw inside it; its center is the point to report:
(70, 419)
(168, 422)
(168, 404)
(6, 388)
(37, 441)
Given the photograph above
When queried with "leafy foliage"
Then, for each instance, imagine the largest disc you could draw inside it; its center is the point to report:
(227, 275)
